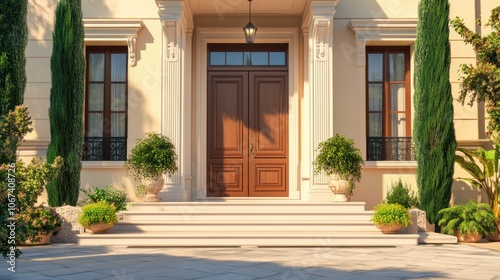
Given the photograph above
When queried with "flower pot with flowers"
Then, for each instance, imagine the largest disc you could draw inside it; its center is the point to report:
(39, 224)
(152, 157)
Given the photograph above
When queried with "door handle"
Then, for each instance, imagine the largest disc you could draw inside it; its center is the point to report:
(250, 148)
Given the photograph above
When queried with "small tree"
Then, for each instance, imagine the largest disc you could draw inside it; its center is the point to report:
(13, 40)
(66, 102)
(482, 81)
(433, 131)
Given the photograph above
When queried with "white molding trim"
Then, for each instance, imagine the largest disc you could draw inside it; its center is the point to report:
(207, 35)
(176, 20)
(370, 30)
(103, 164)
(114, 30)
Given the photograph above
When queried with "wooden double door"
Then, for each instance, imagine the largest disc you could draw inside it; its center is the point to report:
(247, 134)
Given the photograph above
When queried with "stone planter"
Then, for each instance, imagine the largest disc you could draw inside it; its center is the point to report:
(390, 229)
(99, 228)
(339, 188)
(468, 238)
(152, 190)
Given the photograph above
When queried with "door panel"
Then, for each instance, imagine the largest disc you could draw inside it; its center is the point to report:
(247, 133)
(227, 134)
(268, 133)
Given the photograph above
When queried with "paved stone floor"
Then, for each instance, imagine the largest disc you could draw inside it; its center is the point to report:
(72, 262)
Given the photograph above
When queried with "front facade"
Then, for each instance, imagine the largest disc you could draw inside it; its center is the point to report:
(246, 119)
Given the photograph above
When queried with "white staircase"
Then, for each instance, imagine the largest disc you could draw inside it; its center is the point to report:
(247, 223)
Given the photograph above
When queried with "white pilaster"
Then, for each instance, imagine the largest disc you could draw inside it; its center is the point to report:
(176, 93)
(318, 90)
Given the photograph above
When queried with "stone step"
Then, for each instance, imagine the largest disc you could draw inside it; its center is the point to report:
(243, 226)
(217, 239)
(267, 206)
(243, 216)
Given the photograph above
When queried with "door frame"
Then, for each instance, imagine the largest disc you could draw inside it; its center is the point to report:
(205, 36)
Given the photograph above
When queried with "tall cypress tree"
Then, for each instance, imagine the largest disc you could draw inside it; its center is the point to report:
(66, 102)
(13, 40)
(433, 131)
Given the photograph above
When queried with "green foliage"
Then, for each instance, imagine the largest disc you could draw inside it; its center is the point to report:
(402, 195)
(391, 214)
(118, 198)
(468, 218)
(13, 40)
(66, 102)
(27, 186)
(100, 212)
(338, 155)
(151, 157)
(433, 131)
(37, 221)
(482, 165)
(482, 81)
(13, 127)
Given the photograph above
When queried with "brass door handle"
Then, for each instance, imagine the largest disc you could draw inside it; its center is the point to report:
(250, 148)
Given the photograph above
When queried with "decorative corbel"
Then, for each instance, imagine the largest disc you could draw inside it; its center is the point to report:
(171, 40)
(360, 51)
(322, 39)
(132, 41)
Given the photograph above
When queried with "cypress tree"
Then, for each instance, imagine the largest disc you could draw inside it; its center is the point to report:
(433, 131)
(13, 40)
(66, 102)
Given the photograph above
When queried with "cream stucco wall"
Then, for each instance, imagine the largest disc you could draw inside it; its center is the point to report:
(145, 85)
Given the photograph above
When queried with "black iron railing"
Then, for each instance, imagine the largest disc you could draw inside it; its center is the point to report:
(105, 148)
(390, 148)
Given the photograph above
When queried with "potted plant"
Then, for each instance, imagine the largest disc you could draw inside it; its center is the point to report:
(339, 158)
(39, 224)
(98, 217)
(391, 217)
(149, 160)
(468, 222)
(482, 166)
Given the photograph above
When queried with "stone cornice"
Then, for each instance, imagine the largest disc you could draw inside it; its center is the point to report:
(114, 30)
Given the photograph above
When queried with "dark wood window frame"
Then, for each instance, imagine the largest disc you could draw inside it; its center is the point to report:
(387, 146)
(105, 148)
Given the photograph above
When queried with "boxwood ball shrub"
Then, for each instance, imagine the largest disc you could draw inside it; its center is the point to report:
(391, 214)
(100, 212)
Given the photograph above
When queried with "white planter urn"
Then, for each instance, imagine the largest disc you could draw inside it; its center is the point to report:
(339, 188)
(152, 190)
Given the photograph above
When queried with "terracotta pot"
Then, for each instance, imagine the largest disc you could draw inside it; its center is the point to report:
(468, 238)
(44, 240)
(495, 237)
(152, 190)
(390, 229)
(339, 188)
(99, 228)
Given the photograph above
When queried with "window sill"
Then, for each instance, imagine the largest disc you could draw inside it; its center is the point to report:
(103, 164)
(390, 164)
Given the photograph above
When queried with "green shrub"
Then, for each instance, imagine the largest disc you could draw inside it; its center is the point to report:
(100, 212)
(468, 218)
(37, 221)
(151, 157)
(391, 214)
(338, 155)
(107, 194)
(403, 195)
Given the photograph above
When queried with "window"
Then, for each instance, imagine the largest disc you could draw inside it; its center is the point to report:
(388, 101)
(106, 104)
(248, 55)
